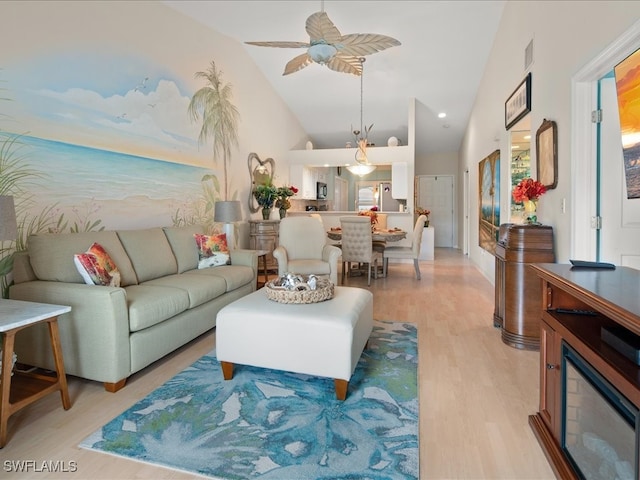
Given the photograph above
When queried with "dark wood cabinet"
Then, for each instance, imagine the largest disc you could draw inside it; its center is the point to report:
(264, 235)
(517, 288)
(549, 378)
(611, 297)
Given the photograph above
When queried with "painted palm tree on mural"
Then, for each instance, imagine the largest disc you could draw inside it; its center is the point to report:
(219, 116)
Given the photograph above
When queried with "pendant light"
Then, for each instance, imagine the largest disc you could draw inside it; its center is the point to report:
(362, 166)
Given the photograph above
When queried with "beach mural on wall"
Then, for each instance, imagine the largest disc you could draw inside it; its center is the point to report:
(627, 74)
(87, 148)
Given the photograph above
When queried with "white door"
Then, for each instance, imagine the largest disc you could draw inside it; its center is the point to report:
(435, 193)
(340, 194)
(620, 230)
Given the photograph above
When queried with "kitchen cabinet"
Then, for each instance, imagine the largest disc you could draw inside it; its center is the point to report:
(304, 178)
(400, 180)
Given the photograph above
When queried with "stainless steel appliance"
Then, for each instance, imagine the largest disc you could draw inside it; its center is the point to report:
(321, 191)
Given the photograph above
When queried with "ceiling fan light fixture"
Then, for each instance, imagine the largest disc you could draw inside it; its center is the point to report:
(321, 53)
(361, 170)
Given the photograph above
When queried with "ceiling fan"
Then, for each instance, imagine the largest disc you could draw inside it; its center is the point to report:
(327, 46)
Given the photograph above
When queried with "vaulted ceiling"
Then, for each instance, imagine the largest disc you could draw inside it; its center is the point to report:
(440, 62)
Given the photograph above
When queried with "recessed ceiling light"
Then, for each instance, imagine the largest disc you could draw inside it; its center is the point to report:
(527, 137)
(513, 147)
(442, 115)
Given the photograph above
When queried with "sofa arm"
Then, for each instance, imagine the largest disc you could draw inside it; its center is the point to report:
(280, 254)
(248, 258)
(94, 336)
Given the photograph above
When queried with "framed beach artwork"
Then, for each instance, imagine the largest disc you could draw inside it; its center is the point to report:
(489, 201)
(627, 75)
(518, 104)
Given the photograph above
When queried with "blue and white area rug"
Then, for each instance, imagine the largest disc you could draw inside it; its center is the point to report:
(268, 424)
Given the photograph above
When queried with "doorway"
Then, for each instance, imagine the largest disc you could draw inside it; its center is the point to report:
(617, 240)
(436, 193)
(584, 171)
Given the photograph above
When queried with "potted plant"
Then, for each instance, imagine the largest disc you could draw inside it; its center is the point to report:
(266, 195)
(282, 199)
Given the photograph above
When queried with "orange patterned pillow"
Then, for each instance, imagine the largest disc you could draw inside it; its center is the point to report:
(212, 250)
(96, 267)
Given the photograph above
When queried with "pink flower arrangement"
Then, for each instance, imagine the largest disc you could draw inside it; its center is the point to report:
(528, 189)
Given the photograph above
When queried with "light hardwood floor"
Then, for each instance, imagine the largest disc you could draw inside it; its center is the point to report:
(475, 392)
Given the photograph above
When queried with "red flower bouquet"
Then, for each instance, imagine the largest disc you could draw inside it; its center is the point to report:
(528, 189)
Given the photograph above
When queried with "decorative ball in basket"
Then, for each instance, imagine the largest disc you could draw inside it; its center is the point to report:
(291, 288)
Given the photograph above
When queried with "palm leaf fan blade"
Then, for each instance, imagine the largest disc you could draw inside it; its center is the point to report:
(345, 64)
(280, 44)
(321, 29)
(297, 63)
(360, 44)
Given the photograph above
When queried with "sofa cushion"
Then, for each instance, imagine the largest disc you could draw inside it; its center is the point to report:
(150, 253)
(51, 255)
(200, 288)
(184, 246)
(96, 267)
(235, 276)
(152, 304)
(212, 250)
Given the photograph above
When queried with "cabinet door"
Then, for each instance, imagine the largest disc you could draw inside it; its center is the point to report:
(550, 378)
(399, 180)
(303, 178)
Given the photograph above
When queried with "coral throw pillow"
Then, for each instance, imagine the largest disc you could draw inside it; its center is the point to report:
(212, 250)
(97, 267)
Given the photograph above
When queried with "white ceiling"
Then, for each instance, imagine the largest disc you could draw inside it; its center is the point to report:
(445, 45)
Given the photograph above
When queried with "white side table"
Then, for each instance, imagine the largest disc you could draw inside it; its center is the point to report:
(426, 247)
(22, 389)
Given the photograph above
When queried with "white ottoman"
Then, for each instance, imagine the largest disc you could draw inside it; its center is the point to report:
(324, 339)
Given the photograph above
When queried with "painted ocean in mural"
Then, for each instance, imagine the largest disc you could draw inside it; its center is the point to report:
(122, 190)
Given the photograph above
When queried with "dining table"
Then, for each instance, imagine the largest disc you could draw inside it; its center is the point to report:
(378, 235)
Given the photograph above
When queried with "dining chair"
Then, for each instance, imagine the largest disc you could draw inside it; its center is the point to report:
(357, 244)
(303, 249)
(412, 252)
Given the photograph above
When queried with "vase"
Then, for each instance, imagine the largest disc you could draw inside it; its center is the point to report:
(530, 207)
(266, 213)
(426, 223)
(282, 212)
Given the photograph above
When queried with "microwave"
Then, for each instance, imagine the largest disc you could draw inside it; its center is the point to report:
(321, 191)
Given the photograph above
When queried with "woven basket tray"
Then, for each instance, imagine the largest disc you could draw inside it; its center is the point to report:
(324, 291)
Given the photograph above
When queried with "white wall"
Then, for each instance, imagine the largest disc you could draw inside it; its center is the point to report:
(566, 35)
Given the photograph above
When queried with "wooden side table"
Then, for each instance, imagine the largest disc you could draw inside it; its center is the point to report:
(262, 254)
(22, 389)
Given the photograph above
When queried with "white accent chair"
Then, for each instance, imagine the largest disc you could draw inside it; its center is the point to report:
(412, 252)
(357, 244)
(303, 249)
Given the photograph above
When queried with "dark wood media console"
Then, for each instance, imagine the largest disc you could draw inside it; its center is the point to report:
(614, 296)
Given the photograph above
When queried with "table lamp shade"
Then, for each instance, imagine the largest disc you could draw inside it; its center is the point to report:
(8, 223)
(227, 212)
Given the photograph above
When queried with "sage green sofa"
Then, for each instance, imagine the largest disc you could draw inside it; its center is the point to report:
(164, 300)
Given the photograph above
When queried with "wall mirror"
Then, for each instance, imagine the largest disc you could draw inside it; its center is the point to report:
(260, 172)
(547, 154)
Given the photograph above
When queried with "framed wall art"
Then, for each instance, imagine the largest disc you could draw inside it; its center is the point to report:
(547, 154)
(489, 201)
(518, 104)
